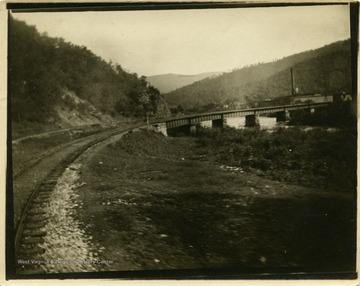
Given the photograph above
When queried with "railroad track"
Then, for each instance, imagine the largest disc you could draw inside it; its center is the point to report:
(18, 172)
(28, 233)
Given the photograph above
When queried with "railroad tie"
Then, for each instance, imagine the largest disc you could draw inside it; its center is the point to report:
(45, 195)
(36, 211)
(38, 225)
(32, 240)
(36, 219)
(31, 252)
(40, 201)
(34, 233)
(47, 188)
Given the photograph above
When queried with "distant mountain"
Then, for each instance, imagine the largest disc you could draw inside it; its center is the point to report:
(326, 70)
(169, 82)
(59, 84)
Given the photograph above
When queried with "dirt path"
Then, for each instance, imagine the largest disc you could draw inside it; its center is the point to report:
(40, 135)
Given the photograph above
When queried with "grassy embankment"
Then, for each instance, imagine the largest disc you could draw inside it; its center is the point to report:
(26, 151)
(30, 144)
(171, 203)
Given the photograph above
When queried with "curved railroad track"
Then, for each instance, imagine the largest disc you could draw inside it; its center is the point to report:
(32, 162)
(32, 189)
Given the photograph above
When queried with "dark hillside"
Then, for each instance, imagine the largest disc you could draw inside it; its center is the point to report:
(51, 78)
(325, 70)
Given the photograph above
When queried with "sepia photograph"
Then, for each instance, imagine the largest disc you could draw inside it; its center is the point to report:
(182, 140)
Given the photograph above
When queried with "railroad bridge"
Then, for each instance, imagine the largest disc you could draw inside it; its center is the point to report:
(188, 124)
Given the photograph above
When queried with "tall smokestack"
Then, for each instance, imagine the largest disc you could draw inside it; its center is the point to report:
(292, 82)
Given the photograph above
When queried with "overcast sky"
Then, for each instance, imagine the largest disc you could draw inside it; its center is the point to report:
(196, 41)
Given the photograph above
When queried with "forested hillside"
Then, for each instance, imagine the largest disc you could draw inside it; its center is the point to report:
(326, 70)
(50, 78)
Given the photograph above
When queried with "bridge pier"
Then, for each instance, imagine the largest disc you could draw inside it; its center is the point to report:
(225, 122)
(282, 116)
(192, 129)
(161, 128)
(252, 120)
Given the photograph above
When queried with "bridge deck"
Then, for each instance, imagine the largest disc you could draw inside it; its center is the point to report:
(197, 118)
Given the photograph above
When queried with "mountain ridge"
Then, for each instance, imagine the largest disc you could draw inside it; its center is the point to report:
(323, 70)
(172, 81)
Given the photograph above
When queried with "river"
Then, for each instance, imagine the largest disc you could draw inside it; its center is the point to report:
(239, 122)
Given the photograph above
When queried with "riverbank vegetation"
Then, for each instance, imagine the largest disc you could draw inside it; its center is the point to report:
(315, 157)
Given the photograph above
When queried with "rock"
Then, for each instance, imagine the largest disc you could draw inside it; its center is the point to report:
(263, 259)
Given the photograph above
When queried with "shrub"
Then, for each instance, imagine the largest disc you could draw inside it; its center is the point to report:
(321, 158)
